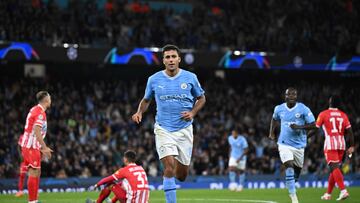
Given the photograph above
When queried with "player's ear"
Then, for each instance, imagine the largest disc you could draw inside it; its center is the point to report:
(179, 59)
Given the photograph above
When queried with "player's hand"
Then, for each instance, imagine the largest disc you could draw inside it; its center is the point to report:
(46, 152)
(272, 136)
(294, 126)
(350, 151)
(137, 117)
(187, 115)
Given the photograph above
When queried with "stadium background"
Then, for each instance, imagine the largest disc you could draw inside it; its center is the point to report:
(94, 58)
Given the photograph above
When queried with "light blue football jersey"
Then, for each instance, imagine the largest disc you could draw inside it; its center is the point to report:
(300, 115)
(173, 95)
(238, 146)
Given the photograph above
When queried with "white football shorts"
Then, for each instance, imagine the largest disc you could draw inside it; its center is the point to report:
(241, 165)
(288, 153)
(178, 144)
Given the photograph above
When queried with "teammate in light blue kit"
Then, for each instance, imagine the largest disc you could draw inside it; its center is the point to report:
(237, 159)
(178, 97)
(291, 143)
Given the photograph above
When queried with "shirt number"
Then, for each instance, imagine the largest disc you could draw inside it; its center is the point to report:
(334, 121)
(141, 177)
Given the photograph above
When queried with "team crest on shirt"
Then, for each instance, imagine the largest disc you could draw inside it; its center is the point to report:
(183, 86)
(41, 116)
(297, 115)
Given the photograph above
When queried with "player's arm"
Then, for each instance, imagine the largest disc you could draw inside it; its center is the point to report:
(106, 180)
(143, 106)
(246, 150)
(350, 135)
(45, 150)
(200, 102)
(273, 125)
(310, 126)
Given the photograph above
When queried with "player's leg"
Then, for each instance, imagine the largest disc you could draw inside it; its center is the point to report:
(104, 193)
(181, 171)
(336, 157)
(232, 176)
(331, 180)
(287, 158)
(184, 146)
(22, 176)
(297, 172)
(169, 178)
(232, 173)
(241, 167)
(119, 192)
(32, 160)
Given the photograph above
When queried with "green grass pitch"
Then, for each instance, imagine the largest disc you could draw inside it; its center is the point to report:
(308, 195)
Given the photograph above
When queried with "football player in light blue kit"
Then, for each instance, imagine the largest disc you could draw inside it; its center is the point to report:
(178, 97)
(291, 143)
(237, 159)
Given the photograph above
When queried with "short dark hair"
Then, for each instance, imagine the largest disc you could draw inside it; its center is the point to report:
(130, 156)
(291, 89)
(335, 101)
(41, 95)
(169, 47)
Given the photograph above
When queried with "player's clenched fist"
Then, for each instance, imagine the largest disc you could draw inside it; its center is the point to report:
(137, 117)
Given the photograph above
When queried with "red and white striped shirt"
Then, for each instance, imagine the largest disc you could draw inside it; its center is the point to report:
(334, 122)
(36, 116)
(134, 182)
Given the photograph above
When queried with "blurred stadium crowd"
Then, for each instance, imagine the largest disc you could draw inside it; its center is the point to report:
(89, 125)
(308, 26)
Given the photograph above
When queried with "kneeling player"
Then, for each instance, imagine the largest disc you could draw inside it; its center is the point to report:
(129, 184)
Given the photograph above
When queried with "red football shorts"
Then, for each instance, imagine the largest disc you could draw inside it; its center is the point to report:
(334, 156)
(31, 157)
(119, 192)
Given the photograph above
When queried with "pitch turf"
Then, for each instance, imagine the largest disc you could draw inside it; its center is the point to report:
(309, 195)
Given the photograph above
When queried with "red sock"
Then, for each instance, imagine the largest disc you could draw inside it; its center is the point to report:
(339, 179)
(21, 181)
(33, 186)
(103, 195)
(114, 200)
(331, 184)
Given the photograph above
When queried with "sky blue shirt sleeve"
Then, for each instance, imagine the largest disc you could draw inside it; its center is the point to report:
(276, 113)
(196, 90)
(309, 117)
(149, 92)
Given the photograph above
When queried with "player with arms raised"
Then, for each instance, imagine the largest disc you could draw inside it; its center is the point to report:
(336, 126)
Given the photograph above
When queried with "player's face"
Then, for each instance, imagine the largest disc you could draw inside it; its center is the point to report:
(291, 96)
(47, 101)
(171, 60)
(234, 133)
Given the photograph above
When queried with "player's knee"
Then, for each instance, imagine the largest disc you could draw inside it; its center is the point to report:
(169, 171)
(34, 172)
(181, 177)
(289, 164)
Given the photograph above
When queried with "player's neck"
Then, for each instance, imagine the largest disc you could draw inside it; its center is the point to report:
(290, 105)
(172, 73)
(42, 106)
